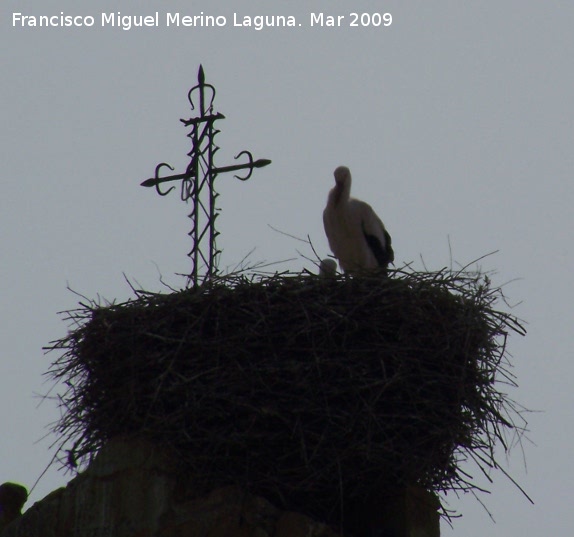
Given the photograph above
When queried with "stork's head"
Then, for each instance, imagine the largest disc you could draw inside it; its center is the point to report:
(342, 175)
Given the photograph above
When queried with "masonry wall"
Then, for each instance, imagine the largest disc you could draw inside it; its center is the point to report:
(132, 489)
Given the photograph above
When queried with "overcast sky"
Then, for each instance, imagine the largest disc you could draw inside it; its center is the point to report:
(456, 122)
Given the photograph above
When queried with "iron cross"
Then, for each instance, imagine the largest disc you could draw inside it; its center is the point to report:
(197, 182)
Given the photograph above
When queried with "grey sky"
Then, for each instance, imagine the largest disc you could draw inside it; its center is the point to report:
(456, 122)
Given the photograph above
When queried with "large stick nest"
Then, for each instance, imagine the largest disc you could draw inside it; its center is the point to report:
(308, 389)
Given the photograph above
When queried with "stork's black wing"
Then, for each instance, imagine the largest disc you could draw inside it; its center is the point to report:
(390, 252)
(383, 254)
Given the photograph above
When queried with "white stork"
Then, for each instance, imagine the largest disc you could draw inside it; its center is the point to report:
(355, 233)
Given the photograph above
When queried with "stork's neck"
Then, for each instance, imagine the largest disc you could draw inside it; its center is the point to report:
(342, 192)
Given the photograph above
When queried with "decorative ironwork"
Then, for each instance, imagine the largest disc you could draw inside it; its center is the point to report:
(198, 180)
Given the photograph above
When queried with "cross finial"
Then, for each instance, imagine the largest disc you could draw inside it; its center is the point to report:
(197, 182)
